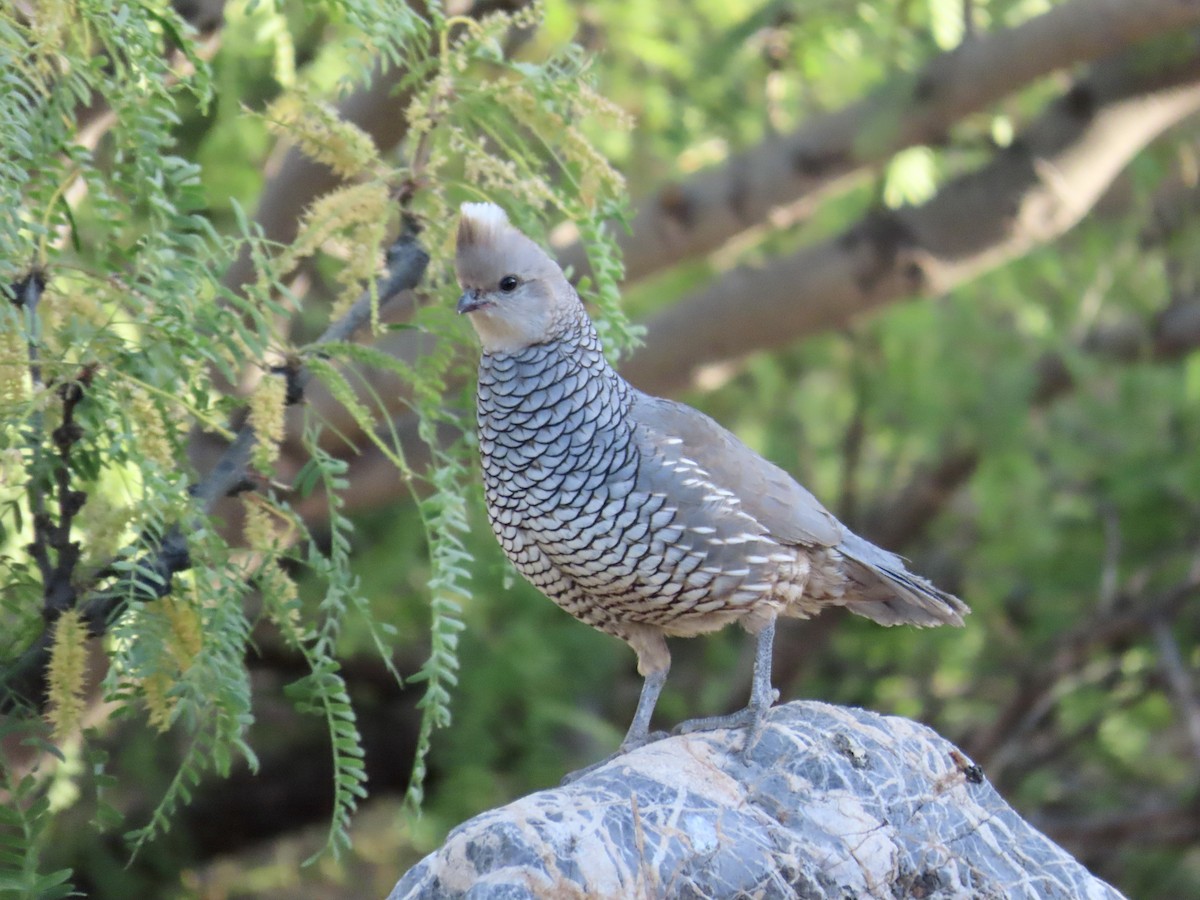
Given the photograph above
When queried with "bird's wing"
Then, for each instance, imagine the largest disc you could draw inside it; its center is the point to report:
(788, 512)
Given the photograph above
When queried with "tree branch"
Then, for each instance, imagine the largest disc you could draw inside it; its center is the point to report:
(296, 180)
(1030, 194)
(26, 294)
(694, 217)
(151, 576)
(1107, 627)
(1179, 680)
(1173, 334)
(1159, 826)
(911, 510)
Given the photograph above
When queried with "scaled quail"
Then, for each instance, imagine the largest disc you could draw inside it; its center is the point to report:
(641, 516)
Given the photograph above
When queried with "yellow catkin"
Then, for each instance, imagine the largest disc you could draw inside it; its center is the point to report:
(104, 526)
(364, 260)
(596, 167)
(183, 639)
(597, 177)
(153, 431)
(159, 704)
(322, 135)
(72, 312)
(14, 362)
(587, 103)
(338, 212)
(266, 528)
(13, 471)
(531, 16)
(50, 21)
(350, 223)
(267, 420)
(280, 597)
(233, 349)
(258, 527)
(187, 633)
(86, 301)
(67, 674)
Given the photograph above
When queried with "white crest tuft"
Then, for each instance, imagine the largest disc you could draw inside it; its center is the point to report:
(485, 213)
(481, 223)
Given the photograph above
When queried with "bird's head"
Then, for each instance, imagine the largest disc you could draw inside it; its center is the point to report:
(514, 293)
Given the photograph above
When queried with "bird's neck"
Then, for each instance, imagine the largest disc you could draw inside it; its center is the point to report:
(572, 358)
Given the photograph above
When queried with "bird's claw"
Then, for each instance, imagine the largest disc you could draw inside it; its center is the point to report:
(752, 718)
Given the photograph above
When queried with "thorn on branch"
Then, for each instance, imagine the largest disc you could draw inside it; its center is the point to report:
(72, 501)
(71, 393)
(410, 230)
(59, 589)
(66, 435)
(403, 196)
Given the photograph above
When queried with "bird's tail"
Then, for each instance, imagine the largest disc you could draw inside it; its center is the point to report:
(887, 593)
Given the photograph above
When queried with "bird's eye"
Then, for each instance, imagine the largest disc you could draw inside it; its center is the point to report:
(509, 283)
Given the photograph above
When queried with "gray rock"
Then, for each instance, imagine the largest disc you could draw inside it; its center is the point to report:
(832, 803)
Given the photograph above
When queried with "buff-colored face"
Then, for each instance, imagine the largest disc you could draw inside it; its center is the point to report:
(513, 292)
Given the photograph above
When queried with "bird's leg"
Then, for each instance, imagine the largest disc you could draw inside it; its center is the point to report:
(639, 729)
(762, 695)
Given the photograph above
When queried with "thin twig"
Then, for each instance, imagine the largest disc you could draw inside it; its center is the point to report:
(27, 293)
(855, 434)
(1179, 679)
(59, 590)
(1070, 653)
(151, 576)
(50, 536)
(1110, 565)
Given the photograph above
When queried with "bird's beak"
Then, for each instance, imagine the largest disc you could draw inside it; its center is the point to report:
(471, 301)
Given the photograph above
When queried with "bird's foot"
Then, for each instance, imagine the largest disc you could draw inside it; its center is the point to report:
(626, 745)
(752, 718)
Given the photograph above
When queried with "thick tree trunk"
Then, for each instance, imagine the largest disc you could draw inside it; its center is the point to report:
(687, 219)
(831, 802)
(1030, 194)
